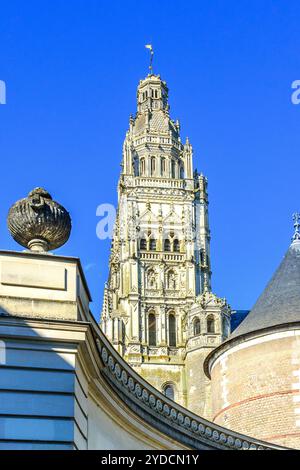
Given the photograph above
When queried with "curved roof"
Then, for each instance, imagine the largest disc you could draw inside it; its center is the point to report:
(280, 301)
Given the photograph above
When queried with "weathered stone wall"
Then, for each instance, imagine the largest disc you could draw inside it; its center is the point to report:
(160, 375)
(256, 388)
(198, 385)
(31, 284)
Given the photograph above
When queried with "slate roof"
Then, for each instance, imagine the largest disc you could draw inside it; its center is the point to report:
(280, 301)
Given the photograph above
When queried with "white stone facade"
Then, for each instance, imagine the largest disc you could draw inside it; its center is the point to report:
(160, 270)
(63, 386)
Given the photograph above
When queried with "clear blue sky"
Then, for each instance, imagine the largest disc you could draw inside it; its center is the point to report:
(71, 70)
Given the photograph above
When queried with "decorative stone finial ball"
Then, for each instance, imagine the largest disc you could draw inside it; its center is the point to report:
(39, 223)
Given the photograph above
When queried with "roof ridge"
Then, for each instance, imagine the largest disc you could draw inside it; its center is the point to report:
(280, 300)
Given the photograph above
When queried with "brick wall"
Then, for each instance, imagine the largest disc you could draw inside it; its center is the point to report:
(256, 388)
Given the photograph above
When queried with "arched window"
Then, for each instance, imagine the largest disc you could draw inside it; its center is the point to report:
(202, 257)
(152, 244)
(172, 330)
(225, 329)
(171, 279)
(197, 327)
(123, 331)
(211, 325)
(176, 245)
(142, 167)
(169, 391)
(152, 329)
(162, 166)
(153, 165)
(135, 165)
(167, 245)
(182, 172)
(173, 169)
(143, 244)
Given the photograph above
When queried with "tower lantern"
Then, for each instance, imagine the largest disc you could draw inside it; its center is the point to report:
(152, 94)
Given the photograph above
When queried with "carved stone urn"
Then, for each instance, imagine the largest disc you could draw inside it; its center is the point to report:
(39, 223)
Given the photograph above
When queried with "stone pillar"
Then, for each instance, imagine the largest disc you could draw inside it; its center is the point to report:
(163, 340)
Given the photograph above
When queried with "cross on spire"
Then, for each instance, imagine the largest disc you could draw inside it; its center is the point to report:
(296, 218)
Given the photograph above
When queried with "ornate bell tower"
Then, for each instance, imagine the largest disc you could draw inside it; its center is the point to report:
(160, 257)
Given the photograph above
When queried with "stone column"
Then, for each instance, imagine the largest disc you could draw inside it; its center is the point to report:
(162, 338)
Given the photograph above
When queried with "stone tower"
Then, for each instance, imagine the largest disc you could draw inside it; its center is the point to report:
(158, 308)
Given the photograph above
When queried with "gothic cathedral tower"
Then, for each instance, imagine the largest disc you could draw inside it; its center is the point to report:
(158, 308)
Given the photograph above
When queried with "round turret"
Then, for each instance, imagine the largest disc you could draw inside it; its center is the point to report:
(255, 373)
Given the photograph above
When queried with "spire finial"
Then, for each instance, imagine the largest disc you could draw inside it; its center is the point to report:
(149, 46)
(296, 219)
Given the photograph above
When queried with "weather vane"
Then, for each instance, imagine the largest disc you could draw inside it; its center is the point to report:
(296, 218)
(149, 46)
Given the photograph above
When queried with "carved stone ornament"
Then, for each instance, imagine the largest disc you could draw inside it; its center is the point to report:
(39, 223)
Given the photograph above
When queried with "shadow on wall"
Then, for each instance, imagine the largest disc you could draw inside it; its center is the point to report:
(48, 402)
(39, 388)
